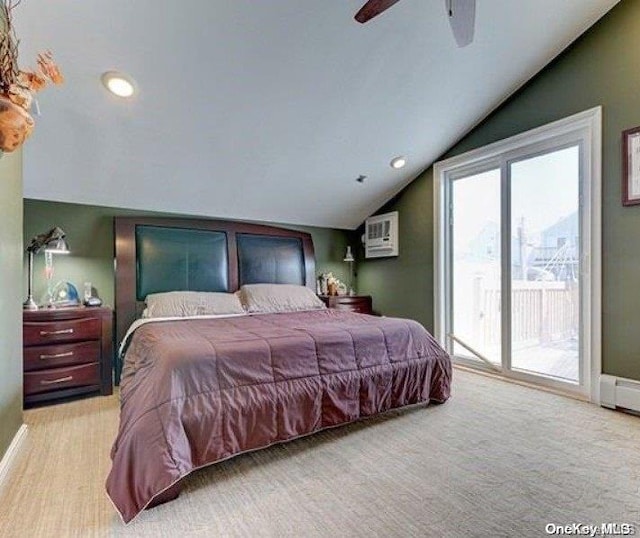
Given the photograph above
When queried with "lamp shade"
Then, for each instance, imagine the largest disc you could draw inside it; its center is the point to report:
(57, 246)
(348, 257)
(53, 241)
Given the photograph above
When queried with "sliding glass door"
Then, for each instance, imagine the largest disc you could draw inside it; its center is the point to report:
(475, 267)
(546, 264)
(515, 290)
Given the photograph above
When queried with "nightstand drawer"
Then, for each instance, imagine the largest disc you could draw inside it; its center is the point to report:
(55, 356)
(40, 333)
(61, 378)
(362, 304)
(359, 308)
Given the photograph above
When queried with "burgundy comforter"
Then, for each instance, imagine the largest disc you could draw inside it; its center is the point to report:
(197, 391)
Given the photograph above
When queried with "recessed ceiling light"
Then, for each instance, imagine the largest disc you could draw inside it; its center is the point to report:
(398, 162)
(118, 83)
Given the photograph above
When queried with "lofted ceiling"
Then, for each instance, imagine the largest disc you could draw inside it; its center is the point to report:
(269, 111)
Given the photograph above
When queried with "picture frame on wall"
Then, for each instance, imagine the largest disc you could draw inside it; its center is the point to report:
(631, 166)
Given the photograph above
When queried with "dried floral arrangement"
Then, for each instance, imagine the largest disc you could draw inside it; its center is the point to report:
(328, 284)
(17, 87)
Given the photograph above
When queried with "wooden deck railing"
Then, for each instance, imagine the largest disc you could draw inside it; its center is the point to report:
(542, 312)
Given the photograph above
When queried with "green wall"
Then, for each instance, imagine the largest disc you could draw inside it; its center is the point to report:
(10, 298)
(403, 286)
(600, 68)
(89, 232)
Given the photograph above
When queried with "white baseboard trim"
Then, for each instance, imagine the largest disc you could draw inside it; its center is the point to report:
(11, 453)
(619, 392)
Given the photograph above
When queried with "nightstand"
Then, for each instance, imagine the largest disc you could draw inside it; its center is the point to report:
(67, 352)
(353, 303)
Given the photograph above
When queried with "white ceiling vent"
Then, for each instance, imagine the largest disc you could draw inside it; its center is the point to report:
(381, 235)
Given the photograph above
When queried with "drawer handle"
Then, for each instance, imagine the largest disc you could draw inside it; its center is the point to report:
(51, 333)
(57, 355)
(54, 381)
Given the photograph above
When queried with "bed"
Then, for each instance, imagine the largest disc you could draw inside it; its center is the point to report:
(198, 390)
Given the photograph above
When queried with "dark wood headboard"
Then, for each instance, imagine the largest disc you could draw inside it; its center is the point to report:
(246, 246)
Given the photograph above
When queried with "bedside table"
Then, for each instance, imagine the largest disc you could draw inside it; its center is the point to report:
(354, 303)
(67, 352)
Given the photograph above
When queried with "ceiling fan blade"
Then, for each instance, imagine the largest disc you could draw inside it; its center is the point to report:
(462, 18)
(372, 9)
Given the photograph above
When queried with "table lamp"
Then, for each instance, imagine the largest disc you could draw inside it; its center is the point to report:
(348, 257)
(53, 242)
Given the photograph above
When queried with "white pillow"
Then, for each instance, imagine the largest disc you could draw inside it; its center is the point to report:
(269, 298)
(191, 303)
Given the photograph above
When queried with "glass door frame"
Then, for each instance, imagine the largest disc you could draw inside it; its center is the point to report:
(583, 129)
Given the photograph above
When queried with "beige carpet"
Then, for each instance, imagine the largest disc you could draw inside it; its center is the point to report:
(497, 460)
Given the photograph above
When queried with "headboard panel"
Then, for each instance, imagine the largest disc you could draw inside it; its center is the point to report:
(177, 259)
(159, 254)
(277, 260)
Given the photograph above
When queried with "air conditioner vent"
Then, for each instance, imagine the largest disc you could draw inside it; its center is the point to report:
(381, 237)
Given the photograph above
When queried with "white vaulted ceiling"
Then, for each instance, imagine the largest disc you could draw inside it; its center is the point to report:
(269, 110)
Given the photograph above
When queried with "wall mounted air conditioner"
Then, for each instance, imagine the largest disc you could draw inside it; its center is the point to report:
(381, 235)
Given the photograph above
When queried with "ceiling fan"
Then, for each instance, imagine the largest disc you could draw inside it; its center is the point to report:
(461, 13)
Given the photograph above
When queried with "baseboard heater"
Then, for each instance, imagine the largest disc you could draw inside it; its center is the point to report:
(619, 392)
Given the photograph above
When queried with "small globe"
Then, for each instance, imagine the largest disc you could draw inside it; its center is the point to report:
(65, 294)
